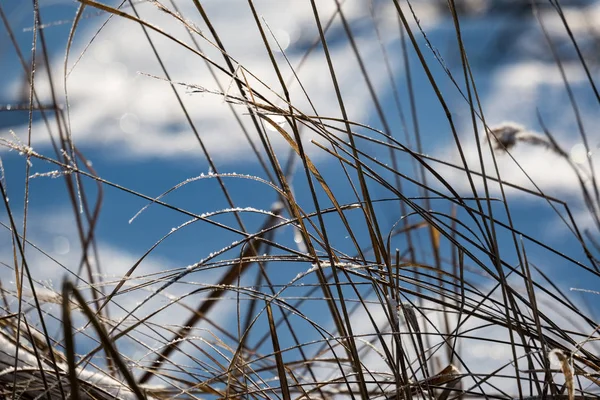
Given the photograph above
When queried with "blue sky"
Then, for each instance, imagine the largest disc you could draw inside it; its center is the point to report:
(130, 126)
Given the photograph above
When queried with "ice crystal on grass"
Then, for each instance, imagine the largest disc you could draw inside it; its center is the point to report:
(209, 175)
(2, 174)
(50, 174)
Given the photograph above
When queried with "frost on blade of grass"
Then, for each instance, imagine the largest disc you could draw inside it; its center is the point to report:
(586, 290)
(16, 144)
(193, 88)
(2, 174)
(201, 177)
(240, 209)
(305, 273)
(50, 174)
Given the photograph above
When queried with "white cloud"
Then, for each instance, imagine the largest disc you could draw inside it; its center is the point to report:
(113, 106)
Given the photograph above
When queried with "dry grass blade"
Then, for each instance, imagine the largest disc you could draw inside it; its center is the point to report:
(281, 369)
(68, 290)
(563, 361)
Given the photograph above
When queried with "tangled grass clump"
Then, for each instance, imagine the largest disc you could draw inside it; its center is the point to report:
(359, 264)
